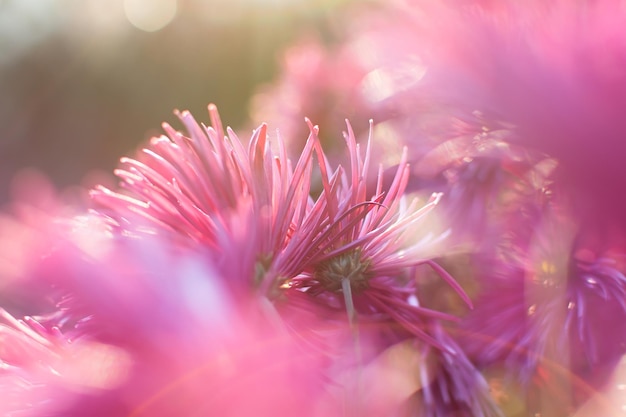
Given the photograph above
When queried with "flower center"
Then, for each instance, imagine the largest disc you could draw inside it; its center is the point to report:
(349, 265)
(262, 267)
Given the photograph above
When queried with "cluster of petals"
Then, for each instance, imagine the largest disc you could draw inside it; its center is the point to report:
(365, 260)
(514, 111)
(141, 317)
(208, 189)
(254, 213)
(218, 269)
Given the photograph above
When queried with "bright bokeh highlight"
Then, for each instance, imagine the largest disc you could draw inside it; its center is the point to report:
(150, 16)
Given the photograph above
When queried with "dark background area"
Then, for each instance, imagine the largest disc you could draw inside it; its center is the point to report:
(80, 86)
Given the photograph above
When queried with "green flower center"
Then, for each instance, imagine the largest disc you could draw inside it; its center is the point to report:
(349, 265)
(262, 267)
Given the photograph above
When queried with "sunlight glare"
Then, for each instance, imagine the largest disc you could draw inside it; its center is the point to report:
(150, 15)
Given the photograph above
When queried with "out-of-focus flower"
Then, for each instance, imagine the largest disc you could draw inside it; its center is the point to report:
(452, 385)
(503, 329)
(315, 83)
(148, 328)
(545, 307)
(549, 73)
(30, 229)
(494, 189)
(553, 72)
(596, 291)
(397, 74)
(25, 356)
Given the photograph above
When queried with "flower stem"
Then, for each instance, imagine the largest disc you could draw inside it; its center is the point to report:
(353, 394)
(347, 296)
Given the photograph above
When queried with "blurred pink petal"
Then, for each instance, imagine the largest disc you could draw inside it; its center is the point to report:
(148, 329)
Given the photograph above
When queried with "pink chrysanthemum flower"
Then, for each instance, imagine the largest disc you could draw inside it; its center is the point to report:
(242, 204)
(364, 258)
(253, 211)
